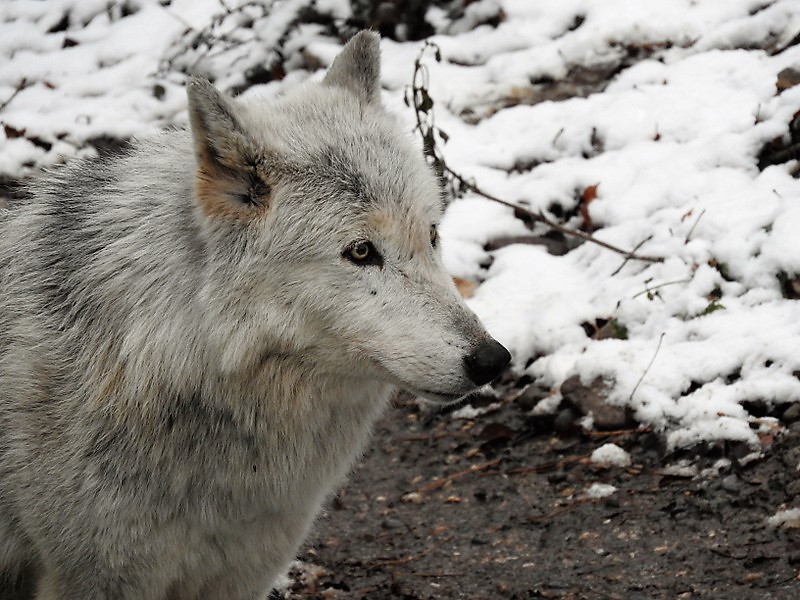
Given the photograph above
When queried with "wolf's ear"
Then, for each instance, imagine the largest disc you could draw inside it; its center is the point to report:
(218, 137)
(358, 66)
(227, 179)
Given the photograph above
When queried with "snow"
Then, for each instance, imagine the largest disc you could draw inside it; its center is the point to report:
(789, 518)
(600, 490)
(671, 143)
(611, 455)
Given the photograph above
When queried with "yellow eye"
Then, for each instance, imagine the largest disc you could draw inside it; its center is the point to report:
(363, 254)
(434, 235)
(360, 252)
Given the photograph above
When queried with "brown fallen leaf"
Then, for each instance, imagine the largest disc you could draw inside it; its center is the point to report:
(465, 287)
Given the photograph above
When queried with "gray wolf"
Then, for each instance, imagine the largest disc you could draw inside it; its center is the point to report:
(196, 336)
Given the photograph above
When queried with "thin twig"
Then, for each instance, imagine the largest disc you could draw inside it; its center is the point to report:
(691, 231)
(403, 561)
(660, 285)
(618, 432)
(423, 112)
(435, 485)
(627, 258)
(652, 360)
(548, 466)
(20, 86)
(541, 218)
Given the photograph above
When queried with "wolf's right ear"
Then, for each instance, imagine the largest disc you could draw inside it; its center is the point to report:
(358, 66)
(228, 182)
(219, 139)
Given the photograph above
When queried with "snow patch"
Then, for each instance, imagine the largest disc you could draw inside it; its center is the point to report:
(789, 519)
(611, 455)
(600, 490)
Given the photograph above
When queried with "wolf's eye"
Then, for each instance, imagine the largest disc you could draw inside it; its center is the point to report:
(363, 253)
(434, 236)
(360, 252)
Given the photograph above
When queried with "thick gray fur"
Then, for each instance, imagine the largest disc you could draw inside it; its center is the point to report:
(190, 362)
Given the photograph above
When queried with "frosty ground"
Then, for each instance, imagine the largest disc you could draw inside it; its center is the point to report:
(667, 128)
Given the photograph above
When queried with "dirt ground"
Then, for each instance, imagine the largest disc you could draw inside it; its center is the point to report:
(496, 506)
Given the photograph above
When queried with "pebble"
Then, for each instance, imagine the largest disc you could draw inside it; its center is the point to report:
(791, 414)
(480, 540)
(730, 483)
(565, 420)
(391, 523)
(412, 498)
(591, 399)
(530, 397)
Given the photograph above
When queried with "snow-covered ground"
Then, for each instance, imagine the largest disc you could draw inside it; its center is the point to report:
(671, 142)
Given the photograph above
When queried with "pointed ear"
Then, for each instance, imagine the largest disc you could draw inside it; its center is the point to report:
(358, 66)
(228, 181)
(218, 137)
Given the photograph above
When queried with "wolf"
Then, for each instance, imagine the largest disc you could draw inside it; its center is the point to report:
(197, 334)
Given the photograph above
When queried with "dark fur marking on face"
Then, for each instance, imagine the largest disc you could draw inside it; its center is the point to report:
(343, 176)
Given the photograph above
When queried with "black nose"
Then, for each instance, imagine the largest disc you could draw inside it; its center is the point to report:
(486, 362)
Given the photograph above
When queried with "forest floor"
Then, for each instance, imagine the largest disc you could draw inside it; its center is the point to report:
(498, 506)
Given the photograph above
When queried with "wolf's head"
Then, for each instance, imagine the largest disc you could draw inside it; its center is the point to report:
(320, 221)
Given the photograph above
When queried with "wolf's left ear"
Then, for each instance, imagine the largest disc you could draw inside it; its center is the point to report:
(358, 66)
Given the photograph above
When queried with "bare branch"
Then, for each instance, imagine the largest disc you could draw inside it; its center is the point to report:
(423, 112)
(652, 360)
(20, 86)
(691, 231)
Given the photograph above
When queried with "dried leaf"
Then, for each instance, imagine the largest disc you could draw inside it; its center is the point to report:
(465, 287)
(13, 132)
(589, 195)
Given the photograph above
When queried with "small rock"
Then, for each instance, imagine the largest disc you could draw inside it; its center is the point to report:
(392, 523)
(730, 483)
(412, 498)
(530, 397)
(591, 399)
(791, 414)
(787, 78)
(565, 421)
(480, 540)
(793, 489)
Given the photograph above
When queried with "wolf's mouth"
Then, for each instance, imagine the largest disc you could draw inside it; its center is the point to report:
(441, 397)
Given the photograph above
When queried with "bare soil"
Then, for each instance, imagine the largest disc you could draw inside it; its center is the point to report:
(496, 506)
